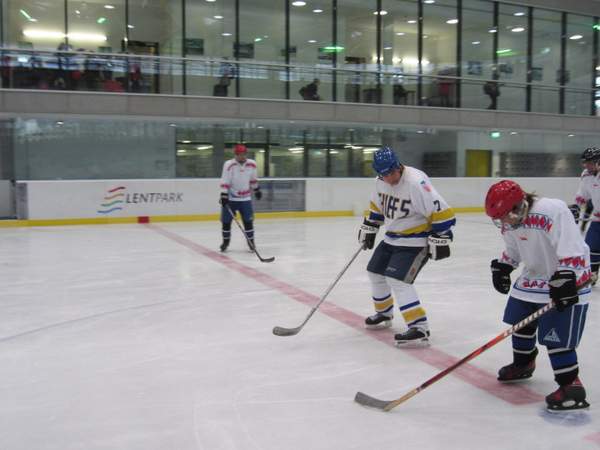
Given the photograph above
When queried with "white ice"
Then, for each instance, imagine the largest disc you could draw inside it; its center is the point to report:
(140, 337)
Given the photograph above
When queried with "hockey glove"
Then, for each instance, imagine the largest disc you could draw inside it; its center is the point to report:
(563, 289)
(224, 199)
(257, 194)
(501, 276)
(439, 245)
(575, 210)
(366, 234)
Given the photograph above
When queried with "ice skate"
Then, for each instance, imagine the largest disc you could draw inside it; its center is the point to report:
(413, 337)
(224, 245)
(378, 321)
(513, 372)
(567, 398)
(251, 246)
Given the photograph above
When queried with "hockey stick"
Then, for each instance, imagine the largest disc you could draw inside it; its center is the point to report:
(282, 331)
(250, 243)
(367, 400)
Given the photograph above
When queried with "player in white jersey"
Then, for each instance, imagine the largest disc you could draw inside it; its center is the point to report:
(588, 195)
(238, 180)
(541, 234)
(418, 225)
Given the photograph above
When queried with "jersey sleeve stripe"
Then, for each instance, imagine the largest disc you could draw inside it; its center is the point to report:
(374, 207)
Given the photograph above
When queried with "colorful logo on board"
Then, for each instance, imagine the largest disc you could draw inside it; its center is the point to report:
(114, 200)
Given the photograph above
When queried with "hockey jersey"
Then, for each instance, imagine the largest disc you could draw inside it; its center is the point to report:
(411, 210)
(589, 189)
(238, 180)
(546, 241)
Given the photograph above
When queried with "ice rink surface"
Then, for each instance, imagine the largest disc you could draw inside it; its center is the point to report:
(144, 337)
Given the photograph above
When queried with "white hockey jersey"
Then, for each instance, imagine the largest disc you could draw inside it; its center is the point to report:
(238, 180)
(411, 210)
(589, 189)
(547, 240)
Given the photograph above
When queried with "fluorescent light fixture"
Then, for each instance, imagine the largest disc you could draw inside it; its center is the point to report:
(218, 17)
(92, 37)
(420, 131)
(204, 147)
(298, 3)
(258, 39)
(383, 12)
(261, 151)
(131, 27)
(429, 2)
(476, 42)
(317, 11)
(400, 33)
(517, 29)
(186, 142)
(77, 11)
(492, 30)
(575, 37)
(425, 36)
(25, 14)
(43, 34)
(519, 13)
(109, 6)
(225, 34)
(503, 50)
(333, 152)
(181, 150)
(451, 21)
(387, 48)
(495, 134)
(571, 135)
(211, 1)
(312, 41)
(101, 20)
(512, 133)
(411, 21)
(296, 149)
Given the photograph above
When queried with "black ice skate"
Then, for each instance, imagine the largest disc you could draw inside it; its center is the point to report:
(514, 372)
(567, 398)
(224, 245)
(378, 321)
(251, 246)
(412, 337)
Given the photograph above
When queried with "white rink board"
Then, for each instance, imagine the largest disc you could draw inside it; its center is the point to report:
(84, 198)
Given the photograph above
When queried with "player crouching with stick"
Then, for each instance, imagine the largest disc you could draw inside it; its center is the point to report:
(417, 222)
(541, 233)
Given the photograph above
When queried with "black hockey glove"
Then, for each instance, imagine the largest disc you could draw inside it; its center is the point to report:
(366, 234)
(224, 199)
(439, 245)
(575, 210)
(563, 289)
(257, 194)
(501, 276)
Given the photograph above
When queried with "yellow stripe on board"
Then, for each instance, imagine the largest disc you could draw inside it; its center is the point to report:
(187, 218)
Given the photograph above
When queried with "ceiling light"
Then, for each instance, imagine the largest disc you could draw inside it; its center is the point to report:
(186, 142)
(204, 147)
(311, 41)
(298, 3)
(257, 39)
(513, 133)
(225, 34)
(476, 42)
(575, 37)
(317, 11)
(131, 27)
(109, 6)
(381, 13)
(517, 29)
(571, 135)
(218, 17)
(425, 36)
(451, 21)
(411, 21)
(46, 34)
(420, 131)
(519, 13)
(172, 125)
(101, 20)
(77, 11)
(211, 1)
(93, 37)
(387, 48)
(400, 33)
(429, 2)
(492, 30)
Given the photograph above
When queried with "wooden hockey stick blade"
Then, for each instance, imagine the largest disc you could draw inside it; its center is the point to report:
(267, 260)
(371, 402)
(282, 331)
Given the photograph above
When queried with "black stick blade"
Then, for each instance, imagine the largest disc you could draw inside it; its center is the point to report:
(371, 402)
(281, 331)
(267, 260)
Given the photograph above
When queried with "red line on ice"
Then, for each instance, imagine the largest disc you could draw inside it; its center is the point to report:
(486, 381)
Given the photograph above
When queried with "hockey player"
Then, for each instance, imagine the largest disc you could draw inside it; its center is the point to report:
(541, 233)
(418, 225)
(588, 195)
(238, 180)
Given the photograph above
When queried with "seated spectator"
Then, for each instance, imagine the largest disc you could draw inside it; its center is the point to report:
(310, 91)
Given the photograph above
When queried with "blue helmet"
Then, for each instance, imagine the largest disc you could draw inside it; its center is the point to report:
(384, 161)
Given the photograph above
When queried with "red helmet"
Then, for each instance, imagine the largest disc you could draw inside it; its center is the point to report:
(239, 149)
(502, 197)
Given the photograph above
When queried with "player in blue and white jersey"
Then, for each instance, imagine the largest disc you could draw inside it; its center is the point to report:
(541, 234)
(417, 222)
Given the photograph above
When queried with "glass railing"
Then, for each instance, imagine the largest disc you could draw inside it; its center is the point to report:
(365, 83)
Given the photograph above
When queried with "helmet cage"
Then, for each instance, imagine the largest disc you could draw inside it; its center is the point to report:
(514, 218)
